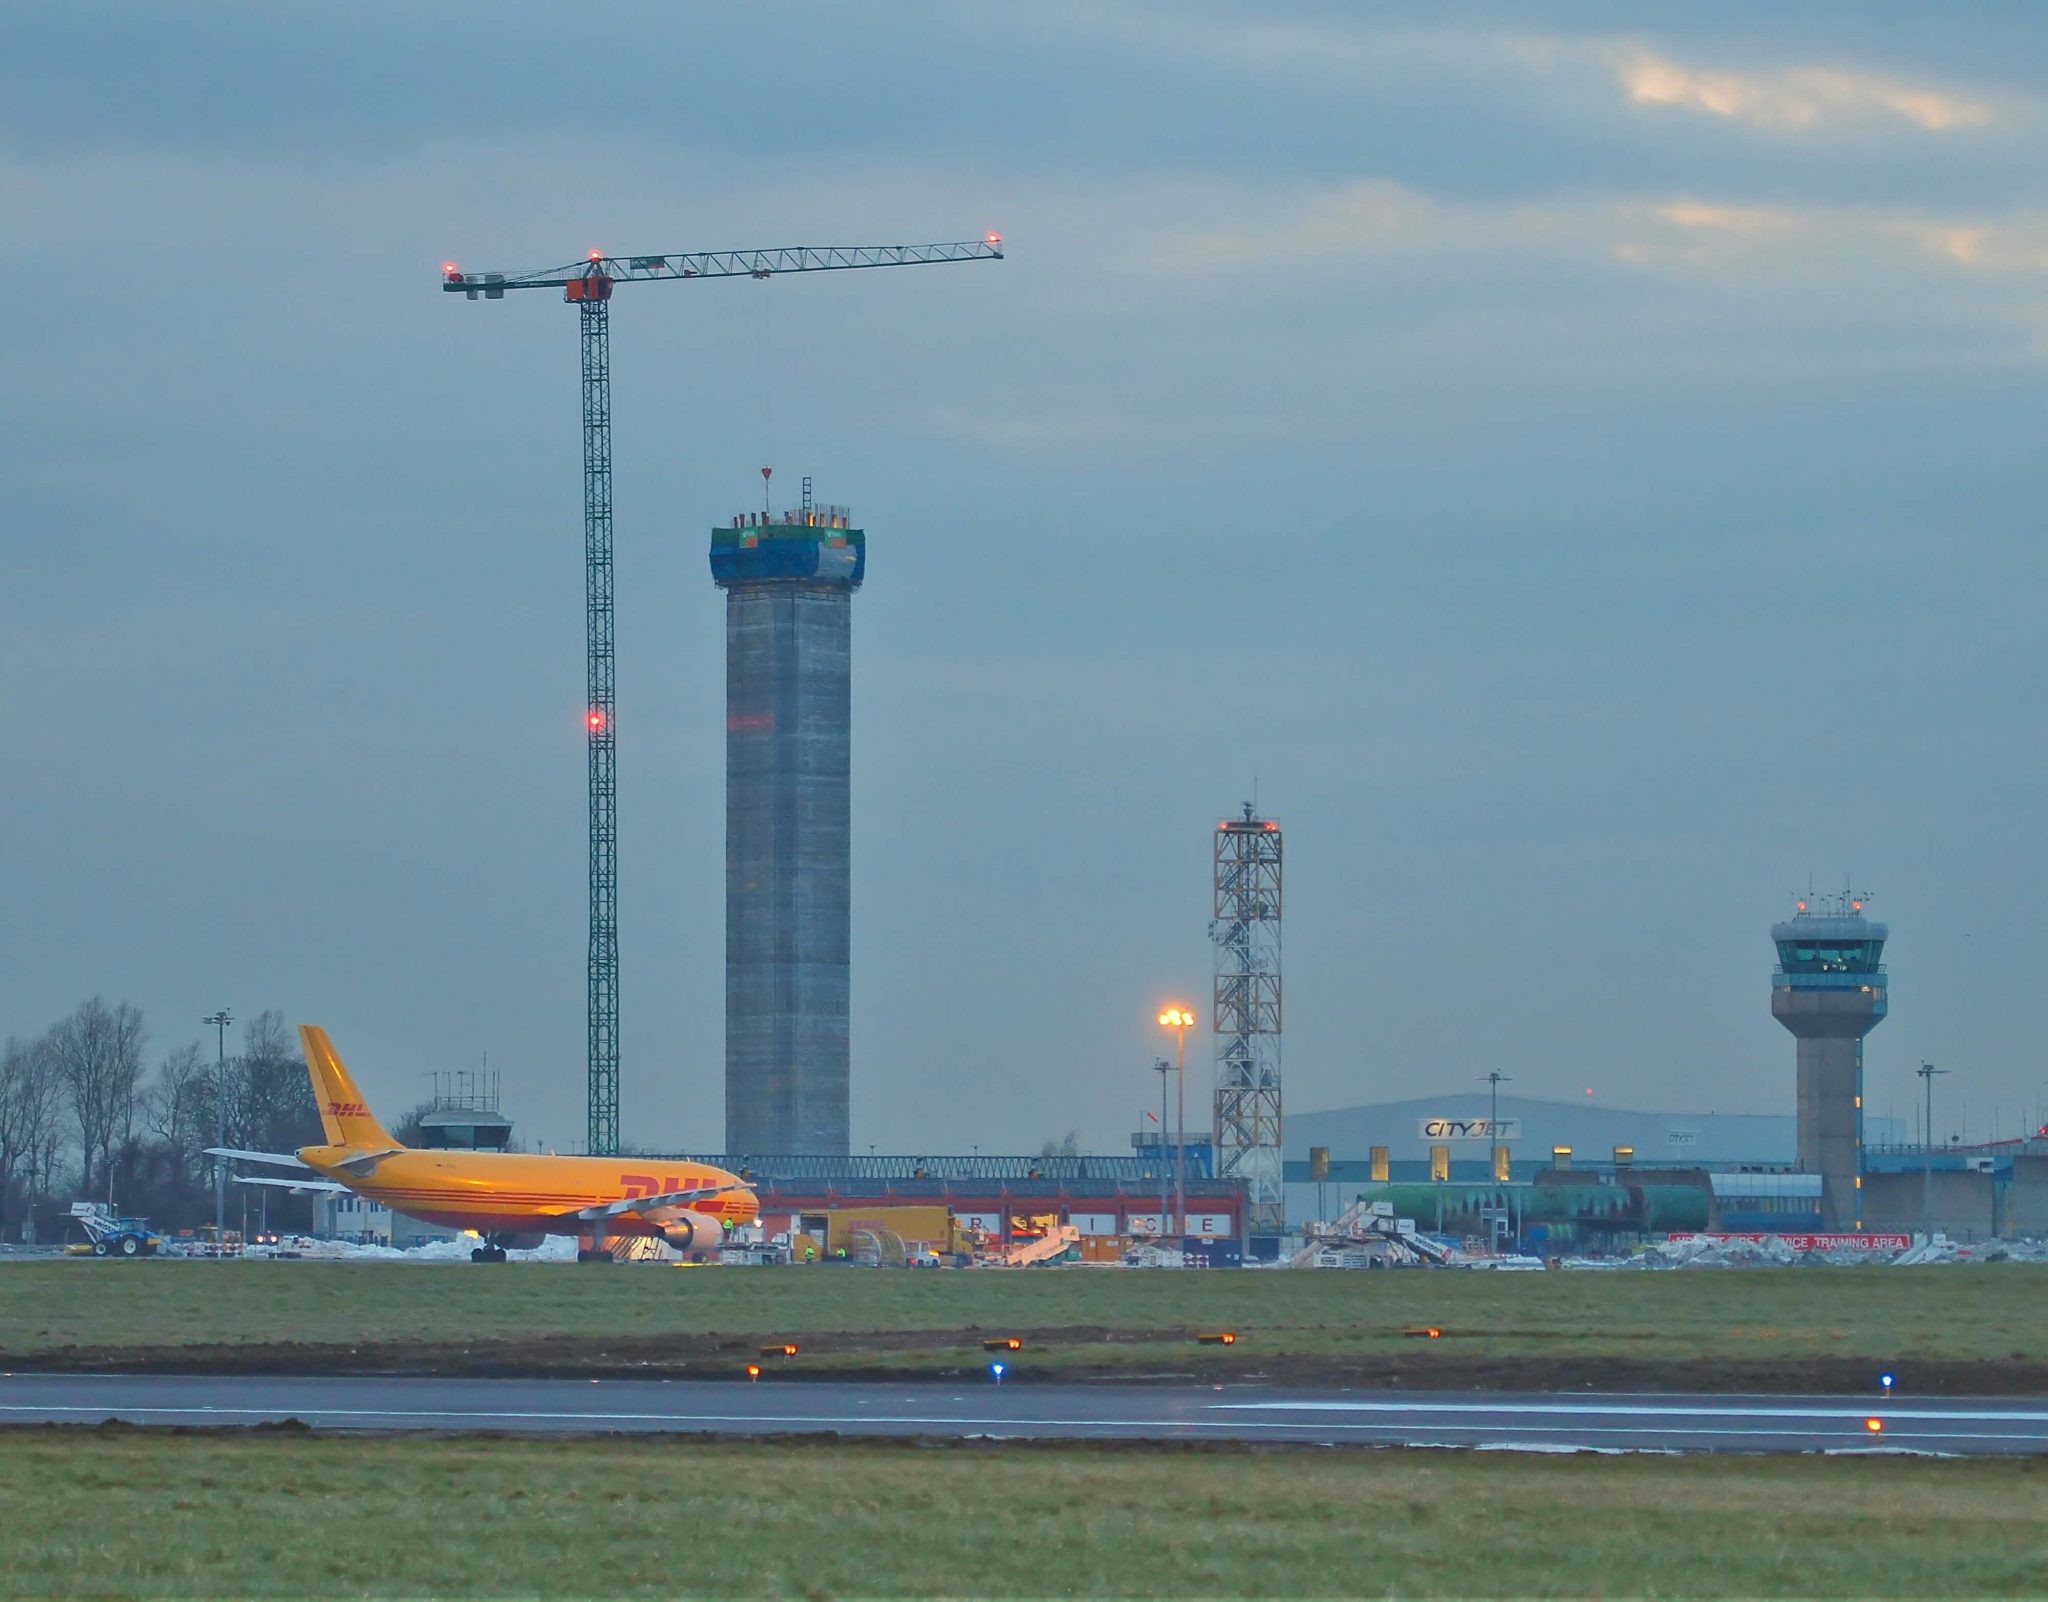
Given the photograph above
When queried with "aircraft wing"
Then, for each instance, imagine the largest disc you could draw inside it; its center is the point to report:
(642, 1204)
(292, 1185)
(277, 1157)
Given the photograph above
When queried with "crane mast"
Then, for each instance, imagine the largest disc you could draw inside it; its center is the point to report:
(601, 976)
(588, 286)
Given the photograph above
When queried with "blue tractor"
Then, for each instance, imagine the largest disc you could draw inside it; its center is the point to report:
(113, 1236)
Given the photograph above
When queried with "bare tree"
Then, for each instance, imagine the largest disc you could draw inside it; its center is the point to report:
(411, 1130)
(17, 1063)
(172, 1106)
(277, 1110)
(98, 1057)
(31, 1130)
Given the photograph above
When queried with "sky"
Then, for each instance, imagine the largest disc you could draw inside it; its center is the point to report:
(1578, 467)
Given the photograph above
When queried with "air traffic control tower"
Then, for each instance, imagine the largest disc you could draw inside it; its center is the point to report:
(1829, 990)
(788, 831)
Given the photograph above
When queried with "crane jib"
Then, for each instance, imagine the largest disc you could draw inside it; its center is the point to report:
(715, 264)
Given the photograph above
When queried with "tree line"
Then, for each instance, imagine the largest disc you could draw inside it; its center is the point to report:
(84, 1117)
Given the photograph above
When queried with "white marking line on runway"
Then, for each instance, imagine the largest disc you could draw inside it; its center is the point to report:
(1026, 1426)
(1873, 1409)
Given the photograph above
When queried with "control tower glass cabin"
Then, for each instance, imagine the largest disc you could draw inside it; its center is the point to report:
(1829, 989)
(788, 825)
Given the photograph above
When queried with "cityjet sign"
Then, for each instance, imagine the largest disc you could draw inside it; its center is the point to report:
(1471, 1129)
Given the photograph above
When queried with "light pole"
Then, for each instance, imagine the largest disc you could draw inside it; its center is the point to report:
(1494, 1081)
(1180, 1021)
(1501, 1171)
(1164, 1068)
(220, 1022)
(1927, 1071)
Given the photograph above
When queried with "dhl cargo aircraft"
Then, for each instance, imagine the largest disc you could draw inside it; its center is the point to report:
(508, 1199)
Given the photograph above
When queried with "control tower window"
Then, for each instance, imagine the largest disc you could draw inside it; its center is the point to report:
(1834, 956)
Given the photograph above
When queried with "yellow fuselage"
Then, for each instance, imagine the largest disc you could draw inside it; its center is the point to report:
(509, 1193)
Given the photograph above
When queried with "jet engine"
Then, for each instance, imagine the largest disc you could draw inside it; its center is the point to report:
(694, 1234)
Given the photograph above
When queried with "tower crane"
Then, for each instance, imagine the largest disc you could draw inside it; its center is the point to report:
(588, 285)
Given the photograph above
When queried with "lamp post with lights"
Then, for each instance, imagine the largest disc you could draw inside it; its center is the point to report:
(1163, 1068)
(1180, 1021)
(219, 1022)
(1927, 1071)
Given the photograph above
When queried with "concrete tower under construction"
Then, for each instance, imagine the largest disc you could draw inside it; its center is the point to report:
(1829, 989)
(788, 824)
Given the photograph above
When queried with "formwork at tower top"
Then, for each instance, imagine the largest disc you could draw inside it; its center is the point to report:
(789, 587)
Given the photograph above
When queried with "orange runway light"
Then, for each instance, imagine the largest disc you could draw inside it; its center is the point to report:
(1424, 1332)
(753, 1371)
(780, 1349)
(1874, 1425)
(1009, 1343)
(1221, 1338)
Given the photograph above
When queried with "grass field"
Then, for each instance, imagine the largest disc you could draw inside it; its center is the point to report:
(1738, 1322)
(161, 1515)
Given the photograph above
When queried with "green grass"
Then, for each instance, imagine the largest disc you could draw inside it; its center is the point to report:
(1106, 1318)
(166, 1515)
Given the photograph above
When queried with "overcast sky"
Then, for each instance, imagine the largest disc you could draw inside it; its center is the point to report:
(1583, 463)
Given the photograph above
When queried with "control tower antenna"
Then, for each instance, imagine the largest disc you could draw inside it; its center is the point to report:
(1247, 1019)
(587, 285)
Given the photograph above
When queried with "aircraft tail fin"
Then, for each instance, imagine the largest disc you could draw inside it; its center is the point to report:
(344, 1114)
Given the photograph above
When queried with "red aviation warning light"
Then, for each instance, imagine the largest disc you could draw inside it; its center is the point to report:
(594, 720)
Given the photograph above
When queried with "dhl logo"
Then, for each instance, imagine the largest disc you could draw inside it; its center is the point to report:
(347, 1109)
(648, 1185)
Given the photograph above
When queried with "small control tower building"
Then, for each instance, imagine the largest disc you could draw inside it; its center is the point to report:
(788, 825)
(1829, 989)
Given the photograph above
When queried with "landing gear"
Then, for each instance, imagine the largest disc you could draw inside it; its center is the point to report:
(487, 1254)
(594, 1254)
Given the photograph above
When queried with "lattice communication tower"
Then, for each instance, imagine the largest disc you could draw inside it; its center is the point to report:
(1246, 1026)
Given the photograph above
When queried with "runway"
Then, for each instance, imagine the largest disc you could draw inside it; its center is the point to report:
(1243, 1413)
